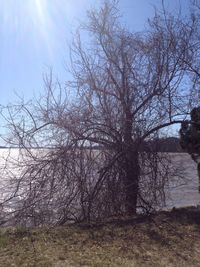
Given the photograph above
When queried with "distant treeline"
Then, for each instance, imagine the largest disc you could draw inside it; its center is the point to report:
(165, 144)
(168, 144)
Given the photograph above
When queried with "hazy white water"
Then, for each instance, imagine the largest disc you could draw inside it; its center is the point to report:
(180, 193)
(7, 169)
(186, 194)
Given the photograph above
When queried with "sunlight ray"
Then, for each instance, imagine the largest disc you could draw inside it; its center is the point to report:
(27, 18)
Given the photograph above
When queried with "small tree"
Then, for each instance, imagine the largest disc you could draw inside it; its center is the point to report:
(190, 137)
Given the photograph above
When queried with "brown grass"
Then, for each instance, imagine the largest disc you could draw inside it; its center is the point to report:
(166, 239)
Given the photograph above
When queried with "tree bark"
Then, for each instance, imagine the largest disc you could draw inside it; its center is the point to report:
(131, 182)
(132, 169)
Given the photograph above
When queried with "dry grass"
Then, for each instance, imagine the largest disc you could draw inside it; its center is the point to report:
(166, 239)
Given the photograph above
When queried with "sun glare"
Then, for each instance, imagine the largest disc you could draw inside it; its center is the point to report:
(28, 18)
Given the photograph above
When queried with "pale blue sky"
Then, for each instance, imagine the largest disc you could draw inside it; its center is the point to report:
(35, 34)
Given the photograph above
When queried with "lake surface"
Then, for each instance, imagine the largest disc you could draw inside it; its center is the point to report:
(185, 191)
(181, 192)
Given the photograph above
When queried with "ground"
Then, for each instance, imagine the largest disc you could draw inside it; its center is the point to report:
(165, 239)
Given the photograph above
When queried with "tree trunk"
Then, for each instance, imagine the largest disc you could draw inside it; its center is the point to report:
(132, 170)
(198, 169)
(131, 182)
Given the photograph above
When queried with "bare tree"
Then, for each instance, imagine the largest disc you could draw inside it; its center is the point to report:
(127, 87)
(131, 86)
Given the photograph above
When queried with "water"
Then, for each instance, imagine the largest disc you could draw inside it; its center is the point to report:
(185, 192)
(181, 192)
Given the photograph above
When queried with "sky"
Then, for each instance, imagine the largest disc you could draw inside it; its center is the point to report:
(35, 36)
